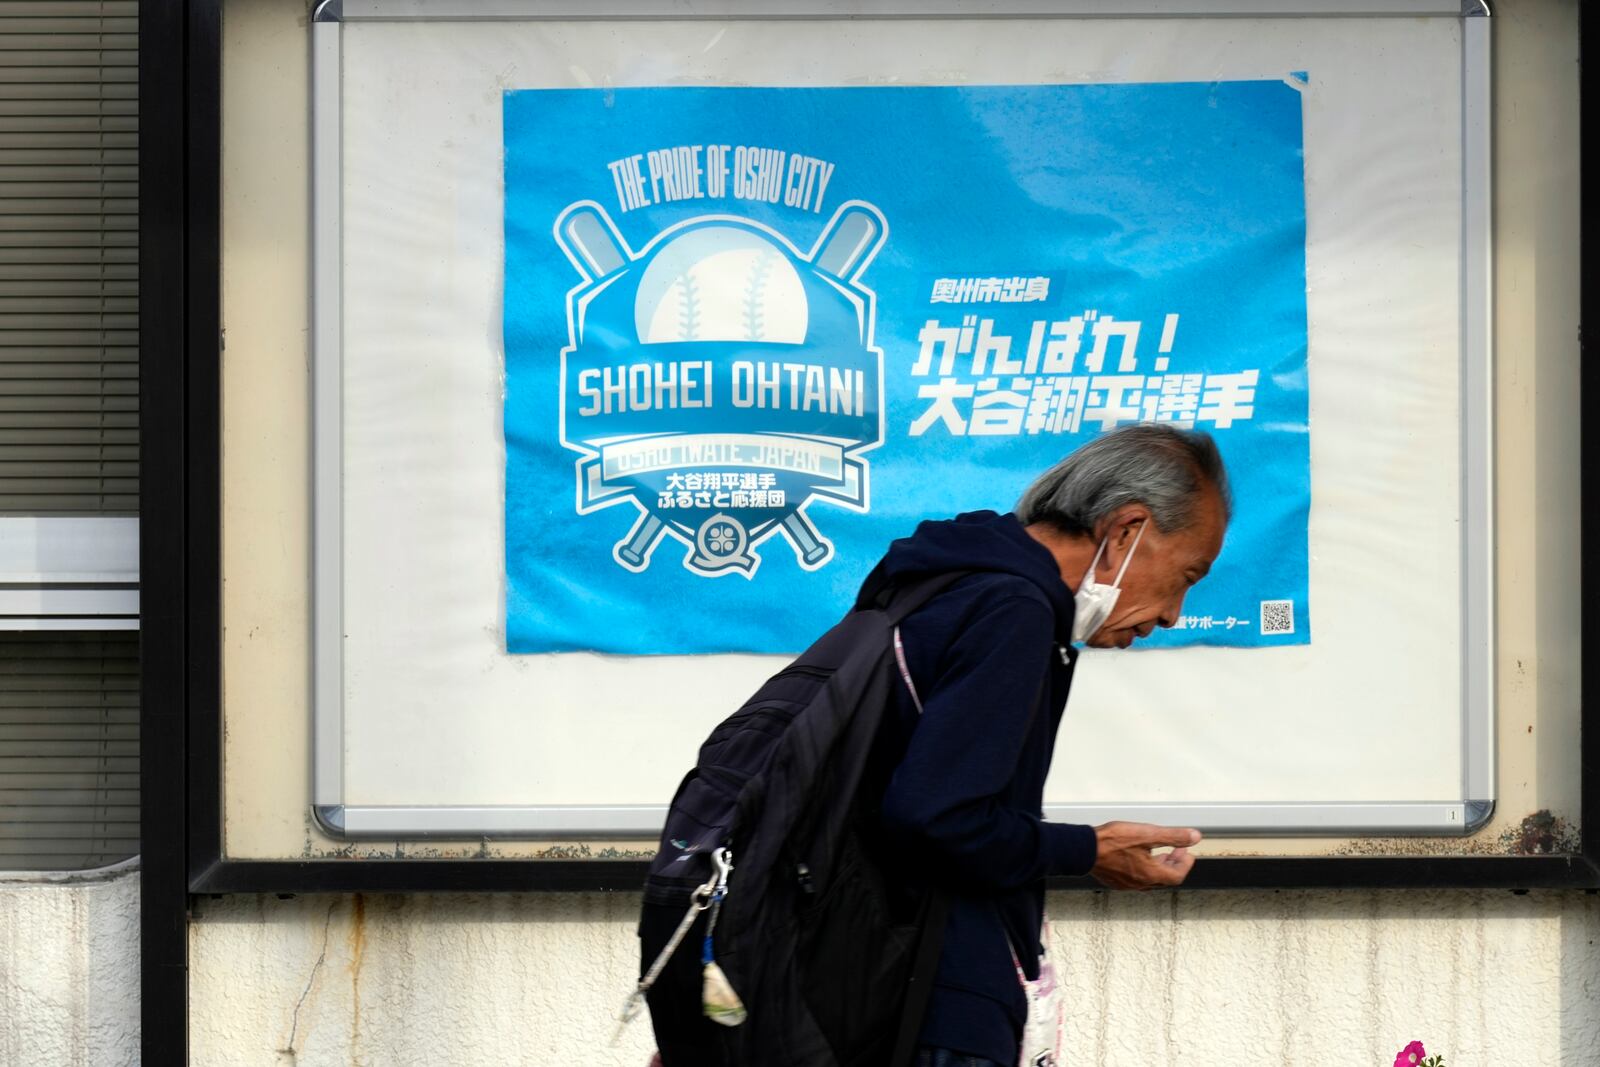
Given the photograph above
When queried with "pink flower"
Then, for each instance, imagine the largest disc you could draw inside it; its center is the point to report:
(1411, 1055)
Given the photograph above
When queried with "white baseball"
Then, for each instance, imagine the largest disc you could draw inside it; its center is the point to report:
(720, 283)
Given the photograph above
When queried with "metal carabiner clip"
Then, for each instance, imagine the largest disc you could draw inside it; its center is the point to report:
(721, 866)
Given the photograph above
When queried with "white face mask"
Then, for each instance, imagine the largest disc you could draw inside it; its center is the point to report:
(1092, 603)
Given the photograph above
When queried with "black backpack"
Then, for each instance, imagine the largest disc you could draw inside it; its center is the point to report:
(831, 958)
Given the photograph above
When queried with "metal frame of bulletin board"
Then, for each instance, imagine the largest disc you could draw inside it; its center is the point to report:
(341, 817)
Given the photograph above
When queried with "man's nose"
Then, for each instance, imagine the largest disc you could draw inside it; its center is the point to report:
(1171, 612)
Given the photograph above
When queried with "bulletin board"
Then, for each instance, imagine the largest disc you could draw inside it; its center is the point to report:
(466, 685)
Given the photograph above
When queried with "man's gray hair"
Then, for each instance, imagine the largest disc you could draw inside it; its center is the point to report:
(1162, 467)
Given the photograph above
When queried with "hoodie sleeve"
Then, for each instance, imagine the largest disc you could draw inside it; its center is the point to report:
(943, 798)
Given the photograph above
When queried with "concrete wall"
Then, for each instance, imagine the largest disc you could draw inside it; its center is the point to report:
(69, 969)
(1193, 979)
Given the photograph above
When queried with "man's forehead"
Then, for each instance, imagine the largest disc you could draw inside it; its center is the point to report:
(1210, 526)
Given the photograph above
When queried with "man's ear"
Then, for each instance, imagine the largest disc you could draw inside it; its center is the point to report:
(1124, 525)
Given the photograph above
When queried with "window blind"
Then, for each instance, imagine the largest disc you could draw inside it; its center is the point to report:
(69, 414)
(69, 749)
(69, 257)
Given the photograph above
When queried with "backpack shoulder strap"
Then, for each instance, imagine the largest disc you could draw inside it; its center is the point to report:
(930, 942)
(905, 599)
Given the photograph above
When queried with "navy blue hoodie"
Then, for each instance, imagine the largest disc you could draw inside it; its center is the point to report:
(992, 662)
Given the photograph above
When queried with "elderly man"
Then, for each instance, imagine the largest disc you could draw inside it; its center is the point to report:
(1101, 549)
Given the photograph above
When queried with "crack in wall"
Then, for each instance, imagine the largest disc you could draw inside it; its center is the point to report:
(311, 980)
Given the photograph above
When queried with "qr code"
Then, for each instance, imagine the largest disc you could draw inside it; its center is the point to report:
(1277, 616)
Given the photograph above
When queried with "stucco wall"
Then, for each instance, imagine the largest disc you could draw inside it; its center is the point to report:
(1192, 979)
(69, 969)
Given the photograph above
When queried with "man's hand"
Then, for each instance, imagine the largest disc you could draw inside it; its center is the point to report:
(1125, 862)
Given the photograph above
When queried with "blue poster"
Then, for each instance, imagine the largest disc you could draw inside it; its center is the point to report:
(754, 335)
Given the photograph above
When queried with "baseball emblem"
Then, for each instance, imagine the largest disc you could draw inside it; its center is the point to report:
(721, 380)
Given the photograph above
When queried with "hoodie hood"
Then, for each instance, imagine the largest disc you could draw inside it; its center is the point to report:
(978, 541)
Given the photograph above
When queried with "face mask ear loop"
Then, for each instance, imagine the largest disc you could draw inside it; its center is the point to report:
(1088, 575)
(1129, 557)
